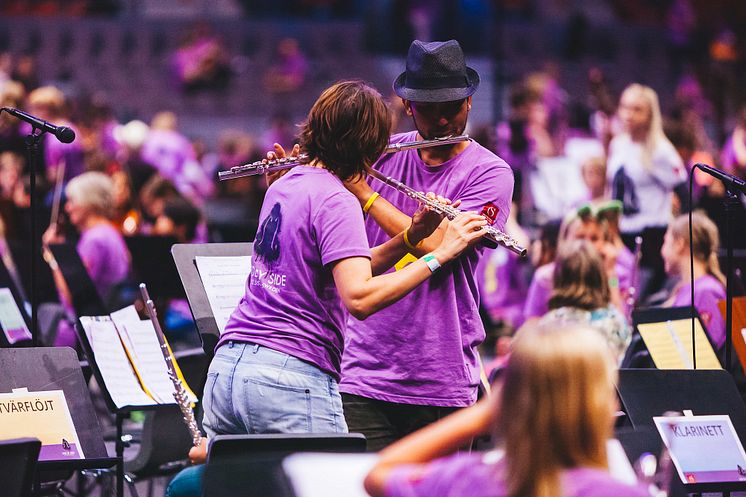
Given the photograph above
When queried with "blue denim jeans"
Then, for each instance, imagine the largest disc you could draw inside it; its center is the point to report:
(254, 389)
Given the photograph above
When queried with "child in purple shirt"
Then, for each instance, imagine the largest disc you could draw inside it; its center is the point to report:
(552, 415)
(277, 364)
(585, 224)
(709, 287)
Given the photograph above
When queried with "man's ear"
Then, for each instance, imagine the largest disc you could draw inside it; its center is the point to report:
(407, 106)
(468, 103)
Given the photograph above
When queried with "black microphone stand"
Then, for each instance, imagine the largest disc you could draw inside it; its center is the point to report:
(730, 205)
(32, 150)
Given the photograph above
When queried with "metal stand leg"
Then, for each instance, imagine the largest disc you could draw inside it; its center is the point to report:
(120, 456)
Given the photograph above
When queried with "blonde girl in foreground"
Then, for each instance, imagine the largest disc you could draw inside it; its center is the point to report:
(552, 415)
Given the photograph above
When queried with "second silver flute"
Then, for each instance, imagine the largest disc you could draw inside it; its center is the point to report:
(491, 233)
(265, 166)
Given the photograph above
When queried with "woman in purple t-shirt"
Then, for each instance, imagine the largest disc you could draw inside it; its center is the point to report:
(101, 246)
(553, 414)
(709, 282)
(277, 364)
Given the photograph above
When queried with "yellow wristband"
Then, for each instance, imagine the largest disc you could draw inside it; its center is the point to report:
(370, 201)
(407, 242)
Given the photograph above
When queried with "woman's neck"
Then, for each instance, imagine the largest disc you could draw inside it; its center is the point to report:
(91, 221)
(700, 269)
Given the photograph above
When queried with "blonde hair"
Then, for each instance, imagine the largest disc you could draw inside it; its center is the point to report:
(655, 134)
(556, 404)
(579, 277)
(93, 190)
(49, 98)
(705, 237)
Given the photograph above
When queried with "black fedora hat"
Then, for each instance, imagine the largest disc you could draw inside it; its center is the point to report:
(436, 72)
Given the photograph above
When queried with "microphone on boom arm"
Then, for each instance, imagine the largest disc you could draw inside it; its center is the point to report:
(63, 133)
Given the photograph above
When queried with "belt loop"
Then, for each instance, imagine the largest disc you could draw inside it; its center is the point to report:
(256, 348)
(230, 344)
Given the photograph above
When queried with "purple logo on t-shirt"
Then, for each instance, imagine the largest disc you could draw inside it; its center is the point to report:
(267, 242)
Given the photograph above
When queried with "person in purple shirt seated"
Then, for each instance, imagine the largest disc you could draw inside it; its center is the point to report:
(417, 361)
(277, 364)
(101, 246)
(709, 282)
(552, 415)
(583, 224)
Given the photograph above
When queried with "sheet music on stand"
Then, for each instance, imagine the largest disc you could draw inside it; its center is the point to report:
(226, 285)
(128, 355)
(670, 344)
(224, 279)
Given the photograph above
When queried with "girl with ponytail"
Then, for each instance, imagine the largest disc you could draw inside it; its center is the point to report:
(709, 281)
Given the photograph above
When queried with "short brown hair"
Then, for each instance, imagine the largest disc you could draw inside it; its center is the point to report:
(347, 128)
(579, 277)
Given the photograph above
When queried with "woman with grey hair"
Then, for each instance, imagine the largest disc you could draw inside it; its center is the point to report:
(101, 246)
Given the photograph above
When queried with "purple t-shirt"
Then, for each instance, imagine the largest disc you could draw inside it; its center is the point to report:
(708, 291)
(502, 287)
(291, 305)
(168, 151)
(422, 349)
(105, 255)
(542, 284)
(465, 475)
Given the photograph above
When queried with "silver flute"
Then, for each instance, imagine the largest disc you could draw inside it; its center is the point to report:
(265, 166)
(180, 394)
(490, 232)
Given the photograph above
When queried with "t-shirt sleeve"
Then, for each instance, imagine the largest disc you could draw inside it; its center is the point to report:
(668, 168)
(437, 478)
(490, 193)
(339, 229)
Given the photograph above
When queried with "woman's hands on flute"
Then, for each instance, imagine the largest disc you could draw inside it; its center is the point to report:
(461, 233)
(279, 153)
(425, 220)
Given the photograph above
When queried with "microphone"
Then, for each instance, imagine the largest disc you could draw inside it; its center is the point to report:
(732, 183)
(63, 133)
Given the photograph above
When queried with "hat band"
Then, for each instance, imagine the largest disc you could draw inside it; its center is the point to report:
(436, 83)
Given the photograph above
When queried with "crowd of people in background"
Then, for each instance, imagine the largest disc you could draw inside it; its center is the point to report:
(622, 162)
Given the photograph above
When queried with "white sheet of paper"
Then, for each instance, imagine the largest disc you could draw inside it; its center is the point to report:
(224, 279)
(11, 319)
(119, 378)
(150, 362)
(326, 475)
(120, 318)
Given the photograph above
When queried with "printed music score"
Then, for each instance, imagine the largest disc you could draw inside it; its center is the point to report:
(129, 357)
(224, 279)
(670, 345)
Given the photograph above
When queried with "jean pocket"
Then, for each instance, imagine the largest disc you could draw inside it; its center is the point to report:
(274, 407)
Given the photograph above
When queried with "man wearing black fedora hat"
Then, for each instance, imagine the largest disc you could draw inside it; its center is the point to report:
(417, 361)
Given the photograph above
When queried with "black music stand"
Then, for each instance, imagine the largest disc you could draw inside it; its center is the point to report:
(646, 393)
(121, 413)
(184, 255)
(637, 354)
(250, 465)
(57, 368)
(153, 265)
(86, 300)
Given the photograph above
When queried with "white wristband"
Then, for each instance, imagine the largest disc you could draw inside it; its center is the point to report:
(431, 261)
